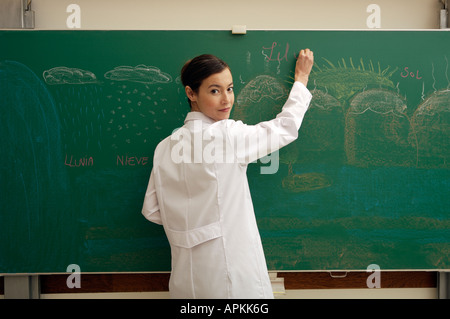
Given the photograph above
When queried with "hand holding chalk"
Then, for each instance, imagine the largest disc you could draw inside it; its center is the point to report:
(304, 65)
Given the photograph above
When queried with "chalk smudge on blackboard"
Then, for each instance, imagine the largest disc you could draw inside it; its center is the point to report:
(30, 165)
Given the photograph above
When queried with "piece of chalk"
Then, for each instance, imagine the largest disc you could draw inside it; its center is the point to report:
(239, 29)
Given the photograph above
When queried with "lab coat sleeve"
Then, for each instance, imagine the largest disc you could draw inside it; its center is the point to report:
(269, 136)
(150, 210)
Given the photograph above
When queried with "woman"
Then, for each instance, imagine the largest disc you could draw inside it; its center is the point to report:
(198, 188)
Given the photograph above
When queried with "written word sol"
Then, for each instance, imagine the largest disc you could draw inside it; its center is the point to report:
(406, 73)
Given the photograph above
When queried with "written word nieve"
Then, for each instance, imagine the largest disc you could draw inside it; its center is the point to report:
(119, 160)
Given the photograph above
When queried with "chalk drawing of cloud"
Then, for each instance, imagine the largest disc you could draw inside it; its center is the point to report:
(65, 75)
(141, 73)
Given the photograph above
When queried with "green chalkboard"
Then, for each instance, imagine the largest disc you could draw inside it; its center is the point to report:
(367, 181)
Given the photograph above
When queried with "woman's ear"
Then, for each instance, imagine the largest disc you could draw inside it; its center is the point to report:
(190, 94)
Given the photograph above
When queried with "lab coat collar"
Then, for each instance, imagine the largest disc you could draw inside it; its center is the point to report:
(192, 116)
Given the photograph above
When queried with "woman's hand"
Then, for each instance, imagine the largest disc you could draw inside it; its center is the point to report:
(304, 65)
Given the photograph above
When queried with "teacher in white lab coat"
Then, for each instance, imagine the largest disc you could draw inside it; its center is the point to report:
(198, 188)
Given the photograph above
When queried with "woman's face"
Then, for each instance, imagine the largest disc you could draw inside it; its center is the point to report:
(215, 97)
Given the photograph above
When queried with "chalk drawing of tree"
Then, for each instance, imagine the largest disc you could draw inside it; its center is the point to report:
(260, 100)
(377, 127)
(377, 130)
(430, 131)
(347, 78)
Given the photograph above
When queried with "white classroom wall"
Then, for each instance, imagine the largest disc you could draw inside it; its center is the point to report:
(256, 15)
(222, 15)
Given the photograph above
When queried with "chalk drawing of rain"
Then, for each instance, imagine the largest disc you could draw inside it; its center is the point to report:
(137, 105)
(78, 95)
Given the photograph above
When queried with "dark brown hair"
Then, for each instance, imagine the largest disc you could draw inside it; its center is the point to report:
(199, 68)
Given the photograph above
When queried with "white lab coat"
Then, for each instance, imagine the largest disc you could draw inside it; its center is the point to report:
(205, 205)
